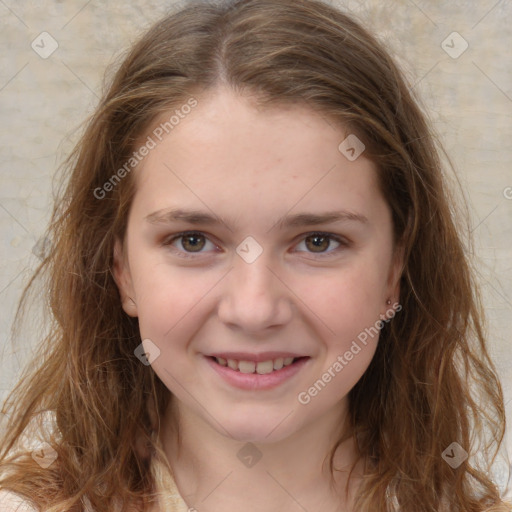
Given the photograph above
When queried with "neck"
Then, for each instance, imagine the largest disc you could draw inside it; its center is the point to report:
(214, 472)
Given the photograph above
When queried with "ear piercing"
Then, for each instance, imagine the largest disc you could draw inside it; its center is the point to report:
(388, 302)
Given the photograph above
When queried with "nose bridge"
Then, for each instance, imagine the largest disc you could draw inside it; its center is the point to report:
(254, 279)
(253, 297)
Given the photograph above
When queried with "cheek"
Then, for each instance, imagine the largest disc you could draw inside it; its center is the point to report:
(168, 298)
(348, 293)
(348, 305)
(171, 306)
(346, 301)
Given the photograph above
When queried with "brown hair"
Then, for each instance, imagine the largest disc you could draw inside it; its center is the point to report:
(431, 381)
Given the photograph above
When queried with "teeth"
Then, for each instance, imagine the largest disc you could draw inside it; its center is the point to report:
(261, 368)
(278, 363)
(264, 367)
(247, 366)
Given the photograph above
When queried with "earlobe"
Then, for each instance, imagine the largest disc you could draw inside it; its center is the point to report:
(122, 277)
(129, 306)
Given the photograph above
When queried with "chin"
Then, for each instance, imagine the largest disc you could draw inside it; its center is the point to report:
(256, 429)
(254, 435)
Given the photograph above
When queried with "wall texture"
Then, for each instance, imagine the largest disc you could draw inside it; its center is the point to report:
(456, 54)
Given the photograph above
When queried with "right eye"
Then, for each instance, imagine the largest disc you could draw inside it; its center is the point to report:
(189, 242)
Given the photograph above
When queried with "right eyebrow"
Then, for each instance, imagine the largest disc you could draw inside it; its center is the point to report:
(170, 215)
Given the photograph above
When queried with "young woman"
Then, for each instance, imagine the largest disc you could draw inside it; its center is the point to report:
(260, 297)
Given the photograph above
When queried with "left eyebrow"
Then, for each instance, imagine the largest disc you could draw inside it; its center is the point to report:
(315, 219)
(197, 217)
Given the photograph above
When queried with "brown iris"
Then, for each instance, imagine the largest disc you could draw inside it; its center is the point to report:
(193, 242)
(317, 243)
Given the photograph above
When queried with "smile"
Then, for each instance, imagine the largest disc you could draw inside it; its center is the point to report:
(256, 375)
(261, 368)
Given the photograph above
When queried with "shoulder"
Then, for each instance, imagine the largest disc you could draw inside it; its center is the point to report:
(10, 502)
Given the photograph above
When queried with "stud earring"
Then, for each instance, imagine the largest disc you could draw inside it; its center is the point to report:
(388, 302)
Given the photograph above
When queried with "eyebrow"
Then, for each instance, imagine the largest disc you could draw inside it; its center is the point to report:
(197, 217)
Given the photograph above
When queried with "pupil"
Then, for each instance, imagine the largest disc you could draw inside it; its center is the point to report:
(320, 243)
(193, 243)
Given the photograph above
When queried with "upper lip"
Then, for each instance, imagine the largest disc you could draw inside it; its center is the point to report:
(262, 356)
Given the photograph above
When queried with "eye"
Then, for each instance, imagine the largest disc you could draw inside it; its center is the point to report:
(320, 243)
(194, 242)
(190, 242)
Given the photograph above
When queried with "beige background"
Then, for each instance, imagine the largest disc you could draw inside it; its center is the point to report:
(469, 98)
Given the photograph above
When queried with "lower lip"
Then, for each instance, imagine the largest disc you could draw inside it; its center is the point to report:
(255, 381)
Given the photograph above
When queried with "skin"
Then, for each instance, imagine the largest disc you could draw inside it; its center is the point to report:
(251, 167)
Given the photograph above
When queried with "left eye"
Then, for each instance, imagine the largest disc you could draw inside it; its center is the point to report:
(319, 243)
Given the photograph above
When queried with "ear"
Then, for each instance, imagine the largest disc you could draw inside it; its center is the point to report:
(395, 274)
(123, 279)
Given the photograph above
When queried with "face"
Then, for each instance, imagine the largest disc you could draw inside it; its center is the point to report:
(255, 257)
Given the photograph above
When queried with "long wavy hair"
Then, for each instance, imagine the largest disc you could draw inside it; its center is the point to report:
(431, 382)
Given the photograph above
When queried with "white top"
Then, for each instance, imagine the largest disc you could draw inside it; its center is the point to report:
(10, 502)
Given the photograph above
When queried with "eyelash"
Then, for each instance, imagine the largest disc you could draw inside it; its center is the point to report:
(188, 254)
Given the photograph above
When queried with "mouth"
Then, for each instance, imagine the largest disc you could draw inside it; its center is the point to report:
(270, 371)
(256, 367)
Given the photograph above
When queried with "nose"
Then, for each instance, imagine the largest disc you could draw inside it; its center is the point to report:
(254, 298)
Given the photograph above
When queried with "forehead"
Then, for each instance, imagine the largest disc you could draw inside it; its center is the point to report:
(230, 151)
